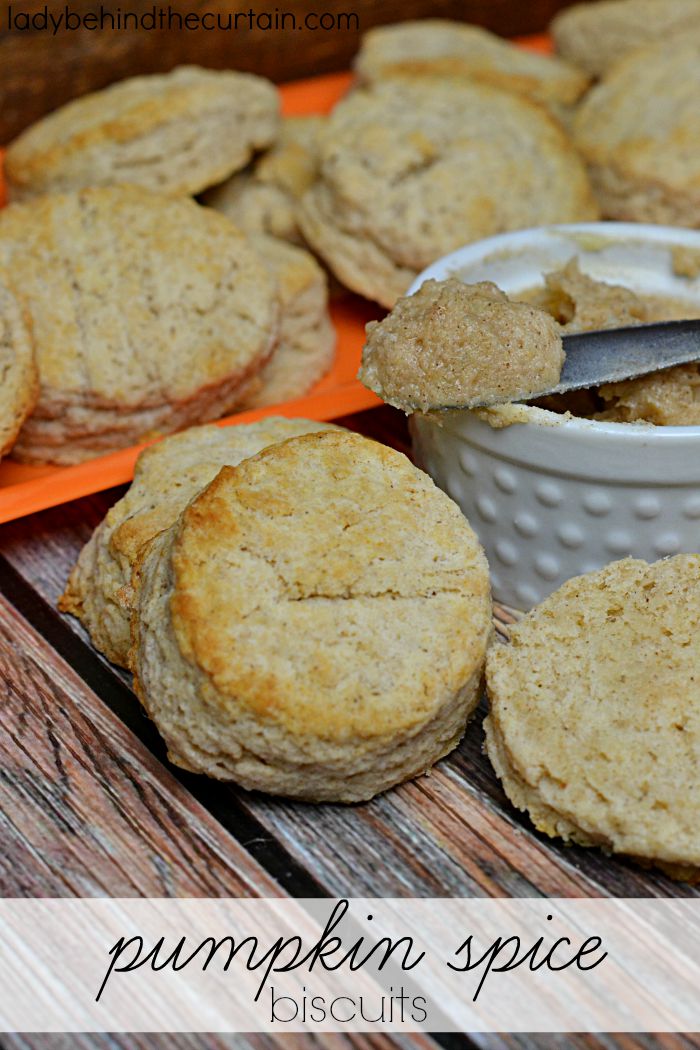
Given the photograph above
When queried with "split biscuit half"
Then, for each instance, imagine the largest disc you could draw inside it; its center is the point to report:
(594, 724)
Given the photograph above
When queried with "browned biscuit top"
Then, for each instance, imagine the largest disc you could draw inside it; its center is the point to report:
(327, 586)
(174, 133)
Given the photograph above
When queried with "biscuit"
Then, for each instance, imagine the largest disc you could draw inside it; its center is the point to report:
(452, 344)
(20, 385)
(412, 170)
(264, 197)
(173, 133)
(306, 342)
(596, 36)
(315, 623)
(604, 750)
(149, 314)
(639, 133)
(167, 476)
(434, 47)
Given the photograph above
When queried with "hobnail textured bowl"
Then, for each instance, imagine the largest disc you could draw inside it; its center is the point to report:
(552, 497)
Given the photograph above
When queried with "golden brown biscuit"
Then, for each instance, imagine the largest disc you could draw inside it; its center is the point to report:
(639, 132)
(148, 314)
(20, 385)
(594, 36)
(315, 623)
(604, 751)
(264, 197)
(306, 341)
(452, 344)
(412, 170)
(166, 477)
(173, 133)
(434, 47)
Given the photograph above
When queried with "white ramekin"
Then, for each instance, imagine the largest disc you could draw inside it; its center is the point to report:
(552, 497)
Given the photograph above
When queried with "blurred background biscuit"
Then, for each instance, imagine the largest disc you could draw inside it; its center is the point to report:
(264, 197)
(413, 169)
(639, 132)
(148, 314)
(174, 133)
(594, 36)
(434, 47)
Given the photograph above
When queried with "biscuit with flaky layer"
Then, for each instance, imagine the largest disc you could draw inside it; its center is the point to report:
(594, 726)
(315, 623)
(412, 170)
(166, 477)
(148, 314)
(264, 197)
(596, 36)
(306, 341)
(174, 133)
(639, 132)
(19, 389)
(435, 47)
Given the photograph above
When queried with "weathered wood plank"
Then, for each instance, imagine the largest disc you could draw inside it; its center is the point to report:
(85, 808)
(41, 71)
(189, 1041)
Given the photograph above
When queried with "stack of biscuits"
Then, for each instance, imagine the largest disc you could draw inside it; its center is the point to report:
(128, 310)
(304, 612)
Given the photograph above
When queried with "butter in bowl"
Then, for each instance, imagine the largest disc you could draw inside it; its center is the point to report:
(561, 484)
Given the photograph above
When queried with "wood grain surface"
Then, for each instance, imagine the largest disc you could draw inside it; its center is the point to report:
(189, 1041)
(40, 71)
(114, 1041)
(85, 808)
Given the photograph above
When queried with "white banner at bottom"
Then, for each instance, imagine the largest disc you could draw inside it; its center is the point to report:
(360, 965)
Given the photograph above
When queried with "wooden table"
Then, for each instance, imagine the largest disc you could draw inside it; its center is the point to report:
(89, 805)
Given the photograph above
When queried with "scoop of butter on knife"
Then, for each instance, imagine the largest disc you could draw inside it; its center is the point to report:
(452, 346)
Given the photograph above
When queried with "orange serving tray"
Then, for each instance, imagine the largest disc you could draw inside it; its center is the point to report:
(25, 489)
